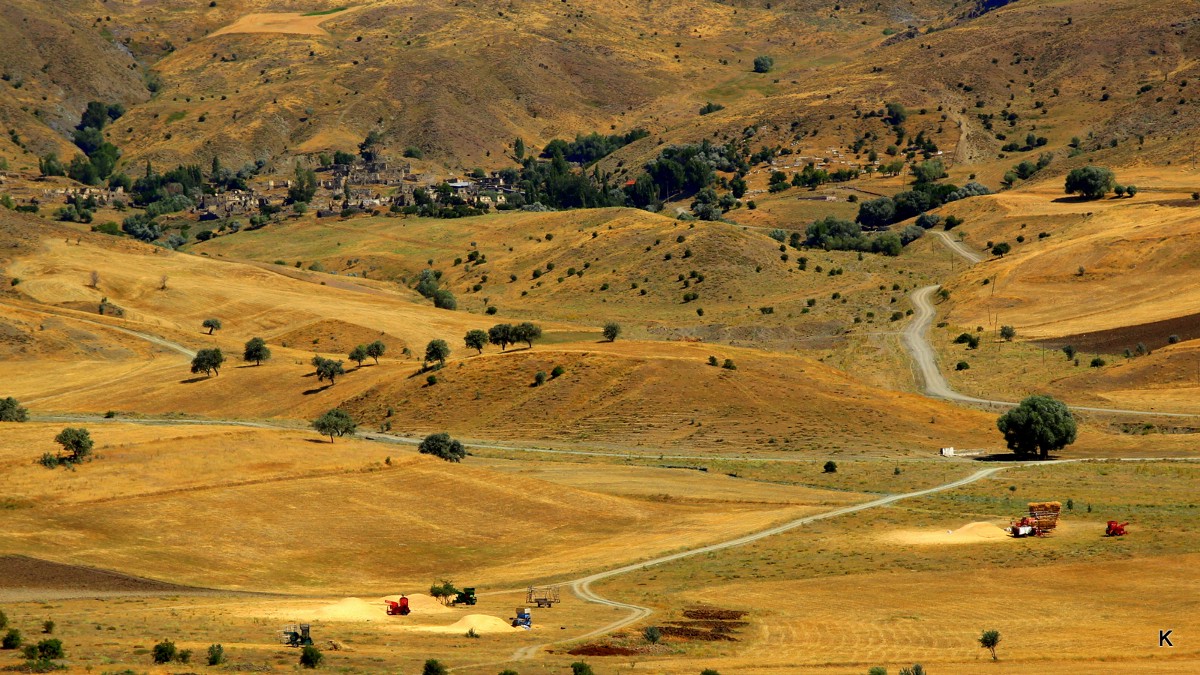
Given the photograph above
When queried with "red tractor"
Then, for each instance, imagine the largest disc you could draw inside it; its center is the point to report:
(1115, 529)
(400, 608)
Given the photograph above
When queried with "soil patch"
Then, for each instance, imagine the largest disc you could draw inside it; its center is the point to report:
(714, 613)
(1116, 340)
(33, 575)
(602, 650)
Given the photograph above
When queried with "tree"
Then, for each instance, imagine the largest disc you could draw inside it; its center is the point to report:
(328, 369)
(77, 442)
(519, 149)
(164, 652)
(500, 335)
(444, 299)
(310, 656)
(256, 351)
(1001, 248)
(896, 114)
(1093, 182)
(211, 325)
(376, 350)
(526, 332)
(208, 361)
(831, 466)
(304, 186)
(11, 411)
(1131, 190)
(1038, 425)
(12, 639)
(441, 445)
(358, 355)
(216, 655)
(612, 330)
(336, 422)
(928, 171)
(988, 640)
(476, 339)
(437, 350)
(434, 667)
(539, 379)
(876, 214)
(763, 64)
(581, 668)
(1008, 333)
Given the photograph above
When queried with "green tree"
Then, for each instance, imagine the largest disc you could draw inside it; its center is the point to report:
(763, 64)
(310, 657)
(526, 332)
(208, 361)
(1093, 182)
(303, 187)
(831, 466)
(216, 655)
(476, 339)
(358, 355)
(928, 171)
(539, 378)
(988, 640)
(896, 114)
(444, 299)
(328, 369)
(256, 350)
(519, 149)
(434, 667)
(164, 652)
(441, 445)
(437, 350)
(581, 668)
(652, 634)
(49, 165)
(376, 350)
(12, 639)
(11, 411)
(336, 422)
(501, 335)
(212, 325)
(876, 214)
(1001, 248)
(1008, 333)
(612, 331)
(1039, 425)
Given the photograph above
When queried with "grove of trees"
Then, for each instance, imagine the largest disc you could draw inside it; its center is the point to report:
(1091, 182)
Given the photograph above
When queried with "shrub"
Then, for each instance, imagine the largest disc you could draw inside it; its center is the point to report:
(12, 639)
(431, 380)
(310, 657)
(962, 365)
(1008, 333)
(557, 372)
(48, 627)
(712, 361)
(1069, 351)
(11, 411)
(581, 668)
(652, 634)
(729, 365)
(3, 619)
(1092, 182)
(441, 445)
(831, 466)
(1173, 339)
(216, 655)
(164, 652)
(1196, 196)
(434, 667)
(763, 64)
(1098, 362)
(539, 378)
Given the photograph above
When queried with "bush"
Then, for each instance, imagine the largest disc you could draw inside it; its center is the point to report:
(763, 64)
(712, 361)
(1008, 332)
(431, 380)
(557, 372)
(652, 634)
(434, 667)
(12, 639)
(581, 668)
(1098, 362)
(831, 466)
(310, 657)
(11, 411)
(612, 330)
(1171, 340)
(441, 445)
(216, 655)
(962, 365)
(48, 627)
(539, 379)
(1092, 182)
(164, 652)
(3, 619)
(728, 365)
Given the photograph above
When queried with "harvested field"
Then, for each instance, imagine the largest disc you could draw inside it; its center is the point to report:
(292, 23)
(1154, 335)
(24, 578)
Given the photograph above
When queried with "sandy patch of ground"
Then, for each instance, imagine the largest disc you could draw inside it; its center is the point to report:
(293, 23)
(971, 533)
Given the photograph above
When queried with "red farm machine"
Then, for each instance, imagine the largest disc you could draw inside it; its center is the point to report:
(1115, 529)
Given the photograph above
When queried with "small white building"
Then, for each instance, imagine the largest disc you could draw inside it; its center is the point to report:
(947, 452)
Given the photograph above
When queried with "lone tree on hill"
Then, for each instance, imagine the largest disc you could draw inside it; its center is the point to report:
(1008, 333)
(208, 361)
(501, 335)
(989, 640)
(11, 411)
(441, 445)
(77, 443)
(612, 331)
(336, 422)
(359, 354)
(328, 369)
(1037, 426)
(476, 339)
(256, 351)
(526, 332)
(1093, 182)
(763, 64)
(376, 350)
(437, 350)
(211, 325)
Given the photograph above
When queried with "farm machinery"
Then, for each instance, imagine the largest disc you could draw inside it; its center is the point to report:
(1042, 519)
(295, 635)
(543, 596)
(397, 607)
(465, 597)
(1115, 529)
(523, 619)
